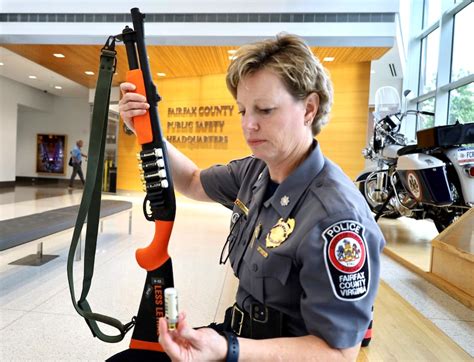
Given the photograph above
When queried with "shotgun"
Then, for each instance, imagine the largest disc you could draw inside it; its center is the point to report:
(159, 205)
(156, 176)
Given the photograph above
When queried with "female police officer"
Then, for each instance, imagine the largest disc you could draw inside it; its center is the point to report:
(303, 243)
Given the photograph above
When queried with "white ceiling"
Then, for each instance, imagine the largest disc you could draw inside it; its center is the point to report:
(19, 69)
(381, 75)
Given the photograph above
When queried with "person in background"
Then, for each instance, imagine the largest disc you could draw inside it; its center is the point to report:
(302, 241)
(76, 163)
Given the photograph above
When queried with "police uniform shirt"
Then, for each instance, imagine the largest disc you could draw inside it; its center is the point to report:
(311, 251)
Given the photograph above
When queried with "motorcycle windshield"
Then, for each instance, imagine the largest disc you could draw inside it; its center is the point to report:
(387, 102)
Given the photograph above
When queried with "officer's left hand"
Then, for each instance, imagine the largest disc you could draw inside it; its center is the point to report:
(187, 344)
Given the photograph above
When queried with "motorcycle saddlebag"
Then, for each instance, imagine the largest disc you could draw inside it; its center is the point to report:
(445, 136)
(425, 178)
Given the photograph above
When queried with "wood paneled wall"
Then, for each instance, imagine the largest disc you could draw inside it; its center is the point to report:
(175, 61)
(341, 140)
(205, 91)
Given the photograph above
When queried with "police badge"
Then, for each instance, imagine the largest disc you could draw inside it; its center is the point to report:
(279, 233)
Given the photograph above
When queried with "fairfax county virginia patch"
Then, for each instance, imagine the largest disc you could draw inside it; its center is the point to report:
(347, 260)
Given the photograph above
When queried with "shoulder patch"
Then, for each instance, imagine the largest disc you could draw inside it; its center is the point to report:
(347, 261)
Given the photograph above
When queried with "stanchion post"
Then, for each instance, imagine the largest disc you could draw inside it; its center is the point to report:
(39, 250)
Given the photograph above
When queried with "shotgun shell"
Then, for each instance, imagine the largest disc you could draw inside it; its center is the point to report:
(171, 308)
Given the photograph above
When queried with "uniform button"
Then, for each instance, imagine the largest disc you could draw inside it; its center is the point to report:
(254, 267)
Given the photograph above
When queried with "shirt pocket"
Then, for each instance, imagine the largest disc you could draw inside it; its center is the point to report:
(276, 268)
(270, 274)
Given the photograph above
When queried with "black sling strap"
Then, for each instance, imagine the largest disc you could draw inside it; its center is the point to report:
(90, 203)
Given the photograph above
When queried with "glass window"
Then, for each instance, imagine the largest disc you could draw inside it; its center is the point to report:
(463, 64)
(424, 121)
(432, 12)
(461, 104)
(429, 62)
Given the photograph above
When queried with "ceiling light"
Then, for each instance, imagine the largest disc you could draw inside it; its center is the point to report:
(232, 51)
(328, 59)
(32, 76)
(161, 74)
(88, 72)
(1, 63)
(58, 87)
(59, 55)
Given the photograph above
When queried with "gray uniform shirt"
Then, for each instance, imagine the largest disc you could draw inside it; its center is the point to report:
(311, 251)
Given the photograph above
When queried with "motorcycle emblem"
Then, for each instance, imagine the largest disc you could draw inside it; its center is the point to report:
(414, 185)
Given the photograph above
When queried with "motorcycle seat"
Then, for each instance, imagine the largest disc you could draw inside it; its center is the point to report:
(408, 149)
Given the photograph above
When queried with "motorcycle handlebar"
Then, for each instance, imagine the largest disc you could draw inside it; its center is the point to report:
(413, 111)
(427, 113)
(401, 116)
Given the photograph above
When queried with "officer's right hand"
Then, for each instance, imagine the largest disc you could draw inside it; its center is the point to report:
(132, 104)
(188, 344)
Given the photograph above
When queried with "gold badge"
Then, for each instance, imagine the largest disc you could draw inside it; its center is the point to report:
(279, 233)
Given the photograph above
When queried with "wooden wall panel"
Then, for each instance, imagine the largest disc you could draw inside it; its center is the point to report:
(128, 177)
(206, 91)
(341, 140)
(175, 61)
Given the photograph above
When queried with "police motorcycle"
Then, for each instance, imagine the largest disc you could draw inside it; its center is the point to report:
(432, 179)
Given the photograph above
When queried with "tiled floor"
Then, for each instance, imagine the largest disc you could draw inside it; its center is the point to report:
(37, 319)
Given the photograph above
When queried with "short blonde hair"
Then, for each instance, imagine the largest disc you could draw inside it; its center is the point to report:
(292, 60)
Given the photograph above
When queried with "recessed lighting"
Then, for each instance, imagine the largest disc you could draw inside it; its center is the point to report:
(88, 72)
(32, 76)
(59, 55)
(58, 87)
(161, 74)
(328, 59)
(232, 51)
(1, 63)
